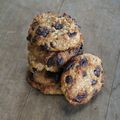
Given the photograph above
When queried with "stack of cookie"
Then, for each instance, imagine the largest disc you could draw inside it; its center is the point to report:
(56, 61)
(52, 40)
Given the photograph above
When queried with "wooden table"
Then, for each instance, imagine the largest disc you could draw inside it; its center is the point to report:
(100, 22)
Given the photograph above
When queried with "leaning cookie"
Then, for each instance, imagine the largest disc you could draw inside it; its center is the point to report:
(54, 32)
(45, 89)
(51, 61)
(82, 78)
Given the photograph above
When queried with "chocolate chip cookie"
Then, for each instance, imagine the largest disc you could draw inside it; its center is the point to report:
(82, 78)
(46, 89)
(54, 32)
(50, 61)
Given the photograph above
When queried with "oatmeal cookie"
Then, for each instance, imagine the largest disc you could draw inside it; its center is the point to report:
(54, 32)
(82, 78)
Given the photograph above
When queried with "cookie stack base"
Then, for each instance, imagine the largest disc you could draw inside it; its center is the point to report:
(45, 89)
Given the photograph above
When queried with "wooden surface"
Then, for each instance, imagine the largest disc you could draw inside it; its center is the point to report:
(100, 22)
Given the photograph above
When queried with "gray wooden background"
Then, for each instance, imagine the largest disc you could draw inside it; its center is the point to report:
(100, 22)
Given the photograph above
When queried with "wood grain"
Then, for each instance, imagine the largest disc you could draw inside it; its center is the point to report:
(100, 22)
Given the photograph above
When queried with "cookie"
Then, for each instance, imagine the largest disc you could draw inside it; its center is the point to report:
(45, 89)
(45, 77)
(54, 32)
(50, 61)
(82, 78)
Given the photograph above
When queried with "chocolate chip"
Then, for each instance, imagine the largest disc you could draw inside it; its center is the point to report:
(97, 71)
(71, 34)
(68, 65)
(81, 46)
(93, 82)
(57, 26)
(34, 69)
(80, 97)
(29, 37)
(68, 79)
(50, 62)
(76, 51)
(42, 31)
(30, 76)
(55, 76)
(44, 47)
(55, 60)
(60, 61)
(83, 62)
(84, 73)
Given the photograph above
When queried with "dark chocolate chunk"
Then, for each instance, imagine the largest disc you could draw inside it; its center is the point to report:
(71, 34)
(51, 61)
(80, 97)
(83, 62)
(97, 71)
(44, 47)
(29, 37)
(76, 51)
(34, 69)
(58, 26)
(81, 46)
(55, 60)
(93, 82)
(68, 65)
(60, 61)
(68, 79)
(42, 31)
(55, 76)
(30, 76)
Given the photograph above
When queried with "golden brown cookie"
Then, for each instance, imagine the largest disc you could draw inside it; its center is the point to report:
(46, 89)
(50, 61)
(82, 78)
(54, 32)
